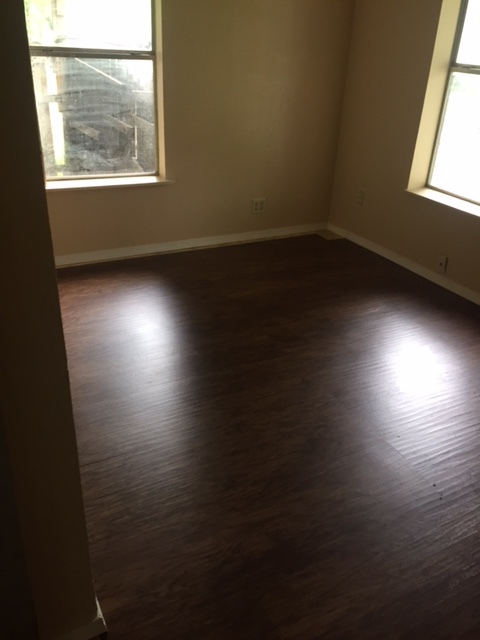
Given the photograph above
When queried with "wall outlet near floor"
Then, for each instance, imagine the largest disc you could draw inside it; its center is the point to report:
(258, 205)
(360, 198)
(442, 262)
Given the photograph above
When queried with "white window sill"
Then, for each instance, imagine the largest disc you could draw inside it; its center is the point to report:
(106, 183)
(447, 200)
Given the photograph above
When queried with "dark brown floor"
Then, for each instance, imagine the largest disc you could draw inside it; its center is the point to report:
(278, 441)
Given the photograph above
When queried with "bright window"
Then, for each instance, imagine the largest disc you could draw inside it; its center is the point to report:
(93, 67)
(456, 162)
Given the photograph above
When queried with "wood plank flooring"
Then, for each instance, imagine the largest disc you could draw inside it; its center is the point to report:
(278, 440)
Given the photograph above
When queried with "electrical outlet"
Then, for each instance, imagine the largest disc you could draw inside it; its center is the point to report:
(360, 198)
(442, 262)
(258, 205)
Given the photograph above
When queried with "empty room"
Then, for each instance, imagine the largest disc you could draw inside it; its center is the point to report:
(240, 281)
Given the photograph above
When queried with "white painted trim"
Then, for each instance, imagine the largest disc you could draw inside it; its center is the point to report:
(184, 245)
(428, 274)
(92, 630)
(447, 199)
(106, 183)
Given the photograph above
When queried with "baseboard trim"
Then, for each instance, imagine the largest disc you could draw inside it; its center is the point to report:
(90, 631)
(428, 274)
(123, 253)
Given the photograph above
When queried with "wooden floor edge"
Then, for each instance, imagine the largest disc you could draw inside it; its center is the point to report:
(428, 274)
(124, 253)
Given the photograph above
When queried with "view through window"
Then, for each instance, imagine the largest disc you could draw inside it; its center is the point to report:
(456, 163)
(93, 71)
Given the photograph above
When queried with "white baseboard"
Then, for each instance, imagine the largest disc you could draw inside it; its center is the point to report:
(184, 245)
(428, 274)
(92, 630)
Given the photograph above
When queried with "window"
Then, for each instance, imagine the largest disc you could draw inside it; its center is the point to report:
(93, 68)
(456, 162)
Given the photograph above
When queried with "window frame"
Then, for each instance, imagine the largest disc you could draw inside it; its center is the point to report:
(111, 54)
(453, 67)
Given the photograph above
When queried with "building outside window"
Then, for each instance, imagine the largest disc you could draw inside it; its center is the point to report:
(455, 167)
(93, 65)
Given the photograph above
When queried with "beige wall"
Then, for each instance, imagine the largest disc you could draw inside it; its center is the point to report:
(390, 58)
(252, 101)
(35, 400)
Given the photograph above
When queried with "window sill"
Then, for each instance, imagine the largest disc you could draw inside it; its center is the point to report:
(106, 183)
(447, 200)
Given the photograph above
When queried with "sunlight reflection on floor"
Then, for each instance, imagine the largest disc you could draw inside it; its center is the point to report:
(418, 369)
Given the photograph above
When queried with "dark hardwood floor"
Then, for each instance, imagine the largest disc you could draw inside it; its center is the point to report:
(277, 441)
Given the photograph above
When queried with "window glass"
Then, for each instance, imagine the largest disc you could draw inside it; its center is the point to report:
(94, 24)
(96, 116)
(456, 167)
(455, 164)
(469, 49)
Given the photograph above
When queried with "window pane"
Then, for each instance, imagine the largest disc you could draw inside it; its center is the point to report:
(94, 24)
(457, 162)
(97, 117)
(469, 50)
